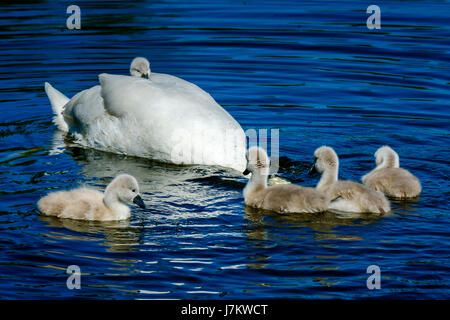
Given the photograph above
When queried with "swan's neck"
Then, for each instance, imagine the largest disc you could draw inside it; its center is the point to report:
(389, 161)
(256, 183)
(329, 176)
(119, 209)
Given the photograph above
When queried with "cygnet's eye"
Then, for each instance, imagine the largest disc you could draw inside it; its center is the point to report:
(133, 190)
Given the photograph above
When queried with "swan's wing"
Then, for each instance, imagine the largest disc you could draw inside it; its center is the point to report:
(355, 197)
(294, 198)
(84, 108)
(394, 182)
(183, 89)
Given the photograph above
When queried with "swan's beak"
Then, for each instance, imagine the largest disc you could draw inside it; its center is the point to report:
(138, 200)
(313, 170)
(144, 75)
(246, 172)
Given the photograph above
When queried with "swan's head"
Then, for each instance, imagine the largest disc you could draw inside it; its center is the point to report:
(386, 157)
(257, 161)
(126, 189)
(140, 67)
(325, 158)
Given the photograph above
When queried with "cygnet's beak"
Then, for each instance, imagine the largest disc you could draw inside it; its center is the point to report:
(246, 172)
(138, 200)
(313, 170)
(144, 75)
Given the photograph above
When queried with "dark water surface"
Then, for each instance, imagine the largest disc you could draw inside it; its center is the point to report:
(311, 69)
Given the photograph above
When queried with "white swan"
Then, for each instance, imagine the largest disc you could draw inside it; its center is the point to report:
(140, 67)
(88, 204)
(345, 195)
(164, 118)
(389, 178)
(285, 198)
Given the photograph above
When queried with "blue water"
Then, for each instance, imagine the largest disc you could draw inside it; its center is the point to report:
(311, 69)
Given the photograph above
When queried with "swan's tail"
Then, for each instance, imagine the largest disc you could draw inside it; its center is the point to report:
(58, 101)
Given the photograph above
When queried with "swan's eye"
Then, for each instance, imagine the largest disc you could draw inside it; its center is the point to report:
(134, 190)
